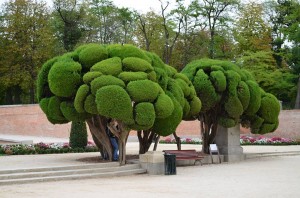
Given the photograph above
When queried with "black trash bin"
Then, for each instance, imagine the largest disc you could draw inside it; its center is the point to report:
(170, 164)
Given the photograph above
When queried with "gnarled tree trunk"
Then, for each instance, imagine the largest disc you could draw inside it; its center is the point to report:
(146, 137)
(209, 128)
(178, 141)
(97, 125)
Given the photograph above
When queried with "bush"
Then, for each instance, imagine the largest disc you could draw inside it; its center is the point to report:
(78, 135)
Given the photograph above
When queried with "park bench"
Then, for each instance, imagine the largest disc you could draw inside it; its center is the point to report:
(186, 155)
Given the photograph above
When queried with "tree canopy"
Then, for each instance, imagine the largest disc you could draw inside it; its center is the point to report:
(229, 96)
(116, 81)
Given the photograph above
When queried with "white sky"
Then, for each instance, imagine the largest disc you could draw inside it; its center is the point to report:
(142, 6)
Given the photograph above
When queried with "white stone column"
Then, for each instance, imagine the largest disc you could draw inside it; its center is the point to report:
(228, 142)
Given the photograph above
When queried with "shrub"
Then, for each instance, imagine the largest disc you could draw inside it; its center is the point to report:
(78, 135)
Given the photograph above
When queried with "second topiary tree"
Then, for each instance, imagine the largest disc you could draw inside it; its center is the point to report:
(230, 96)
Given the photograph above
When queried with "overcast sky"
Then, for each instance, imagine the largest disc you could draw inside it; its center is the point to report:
(142, 6)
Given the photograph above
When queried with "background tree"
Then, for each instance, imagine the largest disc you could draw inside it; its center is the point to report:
(281, 82)
(149, 31)
(26, 42)
(97, 82)
(216, 14)
(69, 15)
(230, 95)
(171, 28)
(251, 32)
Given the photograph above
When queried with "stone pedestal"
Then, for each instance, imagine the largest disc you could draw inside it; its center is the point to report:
(153, 162)
(228, 142)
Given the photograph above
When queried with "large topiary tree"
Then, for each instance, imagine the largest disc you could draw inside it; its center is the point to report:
(98, 82)
(230, 96)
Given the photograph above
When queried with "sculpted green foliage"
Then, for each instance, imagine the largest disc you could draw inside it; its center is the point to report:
(145, 114)
(112, 96)
(143, 90)
(163, 106)
(229, 95)
(111, 66)
(105, 80)
(120, 82)
(89, 77)
(91, 54)
(64, 77)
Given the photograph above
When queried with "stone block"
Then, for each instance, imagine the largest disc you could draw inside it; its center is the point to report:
(153, 162)
(228, 142)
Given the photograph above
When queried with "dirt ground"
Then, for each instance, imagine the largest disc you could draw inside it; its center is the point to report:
(276, 177)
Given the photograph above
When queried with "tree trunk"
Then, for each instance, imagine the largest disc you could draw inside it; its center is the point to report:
(124, 133)
(156, 138)
(99, 145)
(97, 125)
(209, 132)
(178, 141)
(146, 138)
(297, 102)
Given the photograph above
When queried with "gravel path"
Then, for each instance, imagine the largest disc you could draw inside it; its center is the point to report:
(261, 177)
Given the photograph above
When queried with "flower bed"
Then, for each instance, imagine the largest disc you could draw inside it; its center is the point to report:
(183, 141)
(244, 140)
(261, 140)
(43, 148)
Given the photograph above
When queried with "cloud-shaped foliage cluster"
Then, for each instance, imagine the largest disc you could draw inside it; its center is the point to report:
(116, 81)
(233, 95)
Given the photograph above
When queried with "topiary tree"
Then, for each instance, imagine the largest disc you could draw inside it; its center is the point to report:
(98, 82)
(78, 135)
(230, 96)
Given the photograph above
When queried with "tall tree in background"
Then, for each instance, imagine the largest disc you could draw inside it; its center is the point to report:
(126, 19)
(251, 32)
(172, 30)
(148, 29)
(69, 15)
(292, 30)
(192, 26)
(106, 23)
(26, 42)
(216, 14)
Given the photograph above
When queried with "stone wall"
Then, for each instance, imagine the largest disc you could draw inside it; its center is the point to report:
(30, 120)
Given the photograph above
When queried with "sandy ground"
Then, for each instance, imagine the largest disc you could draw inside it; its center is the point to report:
(265, 177)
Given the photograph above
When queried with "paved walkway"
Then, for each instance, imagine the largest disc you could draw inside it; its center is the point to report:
(32, 161)
(260, 177)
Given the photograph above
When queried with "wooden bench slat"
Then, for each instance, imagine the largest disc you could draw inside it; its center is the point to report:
(185, 154)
